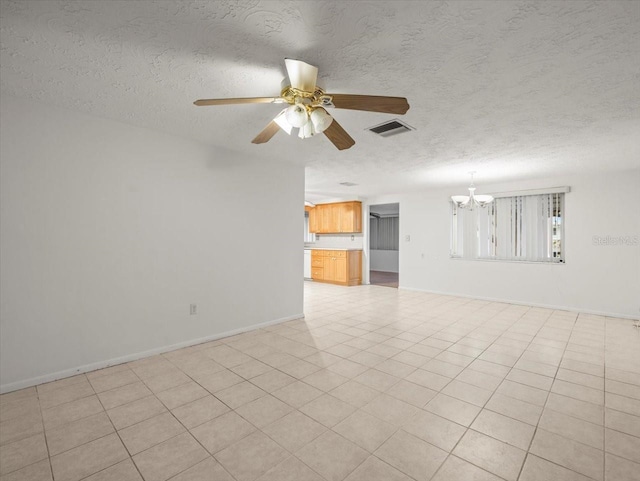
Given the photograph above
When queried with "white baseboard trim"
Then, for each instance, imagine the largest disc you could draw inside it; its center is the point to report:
(54, 376)
(523, 303)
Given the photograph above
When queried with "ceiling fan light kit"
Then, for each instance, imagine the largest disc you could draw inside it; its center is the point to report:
(307, 107)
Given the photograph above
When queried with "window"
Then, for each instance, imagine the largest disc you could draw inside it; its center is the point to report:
(384, 233)
(517, 228)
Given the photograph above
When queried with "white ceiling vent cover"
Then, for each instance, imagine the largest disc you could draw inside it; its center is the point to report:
(391, 127)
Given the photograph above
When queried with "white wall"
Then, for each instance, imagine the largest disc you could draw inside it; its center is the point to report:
(384, 260)
(595, 278)
(110, 231)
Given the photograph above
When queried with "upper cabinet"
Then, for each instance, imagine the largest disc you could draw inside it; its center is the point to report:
(336, 218)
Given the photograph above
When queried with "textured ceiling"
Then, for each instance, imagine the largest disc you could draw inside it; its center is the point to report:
(511, 89)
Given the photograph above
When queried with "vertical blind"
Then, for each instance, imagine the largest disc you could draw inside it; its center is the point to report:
(384, 233)
(526, 228)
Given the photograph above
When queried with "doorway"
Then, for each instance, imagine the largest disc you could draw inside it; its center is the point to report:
(384, 244)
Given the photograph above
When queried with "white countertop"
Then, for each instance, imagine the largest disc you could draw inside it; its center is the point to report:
(332, 249)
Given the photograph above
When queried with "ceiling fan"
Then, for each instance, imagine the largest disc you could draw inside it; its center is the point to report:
(307, 107)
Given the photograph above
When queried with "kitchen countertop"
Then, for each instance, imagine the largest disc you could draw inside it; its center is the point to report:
(332, 249)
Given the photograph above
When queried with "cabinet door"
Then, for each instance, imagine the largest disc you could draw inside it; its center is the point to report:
(335, 218)
(313, 220)
(326, 218)
(340, 269)
(346, 222)
(329, 268)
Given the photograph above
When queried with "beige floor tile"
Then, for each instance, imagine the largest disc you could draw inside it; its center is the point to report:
(291, 469)
(62, 395)
(22, 453)
(411, 455)
(365, 430)
(13, 408)
(453, 409)
(491, 368)
(411, 393)
(112, 381)
(354, 393)
(123, 395)
(378, 380)
(523, 393)
(107, 370)
(576, 408)
(373, 469)
(390, 409)
(264, 410)
(530, 379)
(505, 429)
(123, 471)
(622, 445)
(626, 423)
(623, 376)
(434, 429)
(411, 358)
(332, 456)
(395, 368)
(88, 459)
(169, 458)
(40, 471)
(297, 393)
(69, 412)
(620, 469)
(443, 368)
(456, 469)
(428, 379)
(538, 469)
(294, 431)
(347, 368)
(136, 411)
(251, 369)
(622, 403)
(182, 394)
(219, 433)
(272, 380)
(577, 391)
(594, 382)
(20, 427)
(536, 367)
(150, 432)
(239, 394)
(622, 388)
(568, 453)
(479, 379)
(490, 454)
(219, 380)
(207, 470)
(78, 432)
(200, 411)
(573, 428)
(251, 457)
(584, 367)
(19, 395)
(467, 392)
(325, 380)
(61, 383)
(327, 410)
(299, 369)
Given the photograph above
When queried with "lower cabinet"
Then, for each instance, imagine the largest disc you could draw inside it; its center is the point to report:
(337, 267)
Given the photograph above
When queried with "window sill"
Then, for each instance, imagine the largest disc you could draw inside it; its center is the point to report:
(510, 261)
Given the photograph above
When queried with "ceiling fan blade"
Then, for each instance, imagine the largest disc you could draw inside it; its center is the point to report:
(338, 136)
(301, 75)
(269, 131)
(247, 100)
(371, 103)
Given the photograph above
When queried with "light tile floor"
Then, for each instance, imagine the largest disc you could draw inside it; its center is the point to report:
(376, 384)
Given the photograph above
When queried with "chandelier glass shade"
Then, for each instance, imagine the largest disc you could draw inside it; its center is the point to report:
(309, 119)
(472, 200)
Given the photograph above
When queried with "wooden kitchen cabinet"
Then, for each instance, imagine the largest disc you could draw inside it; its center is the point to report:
(337, 267)
(336, 218)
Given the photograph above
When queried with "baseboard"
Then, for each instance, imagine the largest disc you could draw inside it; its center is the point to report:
(34, 381)
(523, 303)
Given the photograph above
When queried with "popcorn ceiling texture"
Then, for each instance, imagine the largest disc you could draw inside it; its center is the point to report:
(517, 89)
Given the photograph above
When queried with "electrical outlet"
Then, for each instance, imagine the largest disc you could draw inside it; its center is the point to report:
(193, 309)
(407, 238)
(353, 237)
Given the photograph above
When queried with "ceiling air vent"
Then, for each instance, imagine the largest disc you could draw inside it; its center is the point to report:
(392, 127)
(348, 184)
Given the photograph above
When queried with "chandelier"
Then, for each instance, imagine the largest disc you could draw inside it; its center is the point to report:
(472, 200)
(305, 113)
